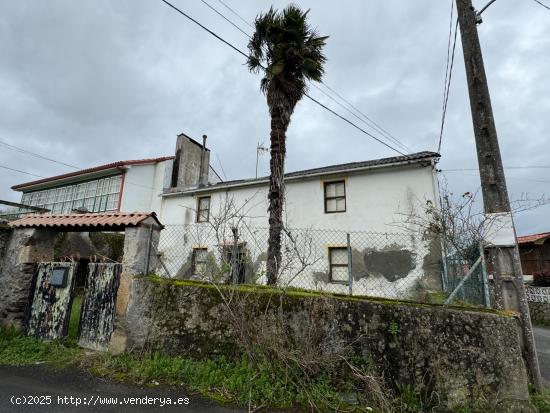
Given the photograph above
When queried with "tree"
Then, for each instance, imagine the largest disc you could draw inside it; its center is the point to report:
(290, 53)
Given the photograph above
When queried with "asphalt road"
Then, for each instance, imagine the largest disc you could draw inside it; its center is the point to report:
(542, 342)
(20, 386)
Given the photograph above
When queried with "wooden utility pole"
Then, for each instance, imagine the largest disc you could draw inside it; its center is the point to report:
(502, 250)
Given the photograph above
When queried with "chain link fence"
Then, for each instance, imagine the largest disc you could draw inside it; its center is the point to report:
(391, 265)
(466, 281)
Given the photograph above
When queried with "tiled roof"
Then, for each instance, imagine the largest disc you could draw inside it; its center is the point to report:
(326, 170)
(91, 170)
(98, 221)
(527, 239)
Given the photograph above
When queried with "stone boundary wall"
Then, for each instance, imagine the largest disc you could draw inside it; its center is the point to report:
(5, 235)
(459, 354)
(538, 299)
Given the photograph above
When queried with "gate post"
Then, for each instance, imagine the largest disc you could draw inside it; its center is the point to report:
(139, 243)
(25, 247)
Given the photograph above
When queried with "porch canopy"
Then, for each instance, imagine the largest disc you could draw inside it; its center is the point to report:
(104, 221)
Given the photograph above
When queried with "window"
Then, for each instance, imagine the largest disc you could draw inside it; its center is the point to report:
(335, 197)
(338, 265)
(199, 260)
(98, 195)
(203, 209)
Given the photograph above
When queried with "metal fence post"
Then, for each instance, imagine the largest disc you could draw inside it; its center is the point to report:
(149, 245)
(350, 276)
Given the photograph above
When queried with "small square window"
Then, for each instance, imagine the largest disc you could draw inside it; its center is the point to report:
(338, 263)
(203, 209)
(59, 277)
(199, 260)
(335, 197)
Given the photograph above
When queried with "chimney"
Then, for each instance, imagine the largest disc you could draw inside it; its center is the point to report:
(191, 164)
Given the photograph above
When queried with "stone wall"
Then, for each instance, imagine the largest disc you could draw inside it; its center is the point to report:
(24, 249)
(5, 235)
(457, 354)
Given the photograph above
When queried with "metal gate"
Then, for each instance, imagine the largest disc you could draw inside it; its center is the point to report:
(49, 313)
(98, 309)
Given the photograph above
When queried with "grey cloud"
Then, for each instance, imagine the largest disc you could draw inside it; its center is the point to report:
(97, 81)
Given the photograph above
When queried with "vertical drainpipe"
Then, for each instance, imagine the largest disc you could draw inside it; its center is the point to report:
(201, 171)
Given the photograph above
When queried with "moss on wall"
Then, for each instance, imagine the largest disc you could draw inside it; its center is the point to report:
(456, 354)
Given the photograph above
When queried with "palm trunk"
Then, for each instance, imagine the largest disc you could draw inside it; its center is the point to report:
(279, 124)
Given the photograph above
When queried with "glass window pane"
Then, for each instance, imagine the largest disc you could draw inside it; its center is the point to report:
(112, 202)
(114, 185)
(340, 189)
(339, 256)
(89, 204)
(204, 203)
(91, 188)
(69, 193)
(339, 274)
(330, 190)
(57, 207)
(331, 205)
(341, 204)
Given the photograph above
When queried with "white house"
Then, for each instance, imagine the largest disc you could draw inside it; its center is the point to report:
(210, 222)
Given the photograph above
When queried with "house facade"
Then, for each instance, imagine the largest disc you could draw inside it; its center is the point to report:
(213, 225)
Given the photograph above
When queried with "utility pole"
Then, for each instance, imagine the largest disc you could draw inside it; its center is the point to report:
(501, 249)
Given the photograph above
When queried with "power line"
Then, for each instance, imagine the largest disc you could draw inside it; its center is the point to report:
(485, 7)
(305, 94)
(542, 4)
(205, 28)
(21, 150)
(20, 171)
(353, 124)
(448, 74)
(235, 13)
(372, 124)
(225, 18)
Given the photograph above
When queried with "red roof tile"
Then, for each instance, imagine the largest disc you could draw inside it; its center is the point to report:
(94, 169)
(526, 239)
(97, 221)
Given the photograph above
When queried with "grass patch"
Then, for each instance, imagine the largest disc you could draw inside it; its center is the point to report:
(240, 381)
(17, 349)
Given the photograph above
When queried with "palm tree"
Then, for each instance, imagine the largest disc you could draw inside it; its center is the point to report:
(290, 53)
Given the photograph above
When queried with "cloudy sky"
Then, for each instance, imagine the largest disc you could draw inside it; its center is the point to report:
(96, 81)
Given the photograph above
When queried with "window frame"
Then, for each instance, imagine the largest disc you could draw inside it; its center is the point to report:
(194, 261)
(331, 265)
(64, 198)
(327, 198)
(198, 218)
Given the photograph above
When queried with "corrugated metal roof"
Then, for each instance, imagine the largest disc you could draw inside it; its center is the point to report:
(96, 221)
(527, 239)
(91, 170)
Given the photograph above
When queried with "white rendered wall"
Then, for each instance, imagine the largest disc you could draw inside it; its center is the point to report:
(142, 188)
(375, 200)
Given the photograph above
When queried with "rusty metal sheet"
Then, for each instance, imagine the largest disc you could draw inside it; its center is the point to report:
(98, 310)
(49, 315)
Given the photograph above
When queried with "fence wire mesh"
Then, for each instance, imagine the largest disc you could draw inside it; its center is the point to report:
(391, 265)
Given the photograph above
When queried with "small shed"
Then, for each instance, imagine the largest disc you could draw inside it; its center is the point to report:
(534, 251)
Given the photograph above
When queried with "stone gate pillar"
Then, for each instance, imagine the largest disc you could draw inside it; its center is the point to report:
(140, 258)
(24, 248)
